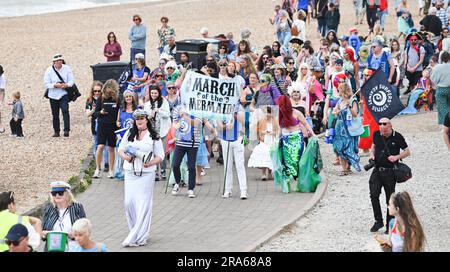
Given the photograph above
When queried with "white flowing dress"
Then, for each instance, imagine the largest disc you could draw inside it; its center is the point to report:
(139, 190)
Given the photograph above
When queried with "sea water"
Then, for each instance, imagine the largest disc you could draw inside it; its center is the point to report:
(12, 8)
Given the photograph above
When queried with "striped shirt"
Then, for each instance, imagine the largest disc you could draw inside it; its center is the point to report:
(187, 135)
(442, 14)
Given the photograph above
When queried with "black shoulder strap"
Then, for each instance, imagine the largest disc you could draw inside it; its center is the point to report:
(60, 77)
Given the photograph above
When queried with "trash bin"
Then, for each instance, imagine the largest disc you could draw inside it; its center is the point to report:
(108, 70)
(196, 49)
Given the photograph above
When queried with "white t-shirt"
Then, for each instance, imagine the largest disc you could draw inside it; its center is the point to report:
(301, 27)
(2, 82)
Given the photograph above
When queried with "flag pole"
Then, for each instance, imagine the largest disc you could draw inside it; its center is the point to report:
(170, 171)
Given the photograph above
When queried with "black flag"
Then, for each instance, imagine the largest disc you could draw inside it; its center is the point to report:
(381, 98)
(125, 77)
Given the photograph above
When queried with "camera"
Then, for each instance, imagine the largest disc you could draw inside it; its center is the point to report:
(370, 165)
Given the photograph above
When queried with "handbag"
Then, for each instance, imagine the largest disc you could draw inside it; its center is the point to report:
(72, 92)
(402, 172)
(356, 127)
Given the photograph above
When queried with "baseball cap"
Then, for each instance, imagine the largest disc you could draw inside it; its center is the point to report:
(353, 29)
(339, 61)
(59, 186)
(344, 38)
(16, 232)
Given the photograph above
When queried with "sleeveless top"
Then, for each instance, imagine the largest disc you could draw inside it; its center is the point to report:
(397, 238)
(264, 99)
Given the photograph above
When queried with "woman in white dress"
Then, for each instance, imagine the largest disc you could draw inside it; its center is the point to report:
(141, 149)
(268, 130)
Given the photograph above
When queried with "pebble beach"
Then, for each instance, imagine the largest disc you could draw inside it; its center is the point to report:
(339, 222)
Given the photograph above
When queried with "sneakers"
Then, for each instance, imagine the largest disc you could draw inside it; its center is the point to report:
(163, 174)
(110, 174)
(227, 194)
(175, 189)
(191, 194)
(219, 160)
(96, 173)
(244, 195)
(376, 226)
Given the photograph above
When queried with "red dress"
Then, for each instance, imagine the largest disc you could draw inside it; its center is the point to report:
(366, 143)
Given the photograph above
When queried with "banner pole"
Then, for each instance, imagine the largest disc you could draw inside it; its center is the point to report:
(226, 167)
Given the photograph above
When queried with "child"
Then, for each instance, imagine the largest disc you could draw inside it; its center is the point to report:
(17, 115)
(426, 98)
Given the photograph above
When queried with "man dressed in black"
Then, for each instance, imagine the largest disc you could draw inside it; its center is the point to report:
(385, 152)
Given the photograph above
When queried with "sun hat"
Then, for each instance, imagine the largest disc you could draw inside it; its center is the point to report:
(59, 186)
(57, 57)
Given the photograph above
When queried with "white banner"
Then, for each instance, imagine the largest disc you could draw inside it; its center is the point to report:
(206, 97)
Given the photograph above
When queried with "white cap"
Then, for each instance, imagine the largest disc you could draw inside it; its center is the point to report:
(139, 56)
(59, 186)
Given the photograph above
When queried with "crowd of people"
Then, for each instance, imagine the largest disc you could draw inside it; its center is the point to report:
(289, 93)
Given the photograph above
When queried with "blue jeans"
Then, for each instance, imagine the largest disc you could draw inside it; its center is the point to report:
(62, 104)
(284, 38)
(322, 26)
(382, 15)
(134, 51)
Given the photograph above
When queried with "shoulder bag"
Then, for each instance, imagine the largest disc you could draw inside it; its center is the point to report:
(356, 127)
(402, 172)
(72, 92)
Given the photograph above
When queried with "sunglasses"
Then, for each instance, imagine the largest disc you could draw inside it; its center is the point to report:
(15, 243)
(97, 91)
(295, 91)
(160, 75)
(170, 68)
(136, 19)
(171, 88)
(209, 60)
(57, 193)
(223, 65)
(111, 37)
(383, 124)
(291, 62)
(263, 81)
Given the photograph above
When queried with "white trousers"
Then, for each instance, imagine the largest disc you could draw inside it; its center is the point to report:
(138, 206)
(236, 155)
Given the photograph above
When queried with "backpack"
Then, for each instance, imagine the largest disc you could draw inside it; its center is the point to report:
(429, 51)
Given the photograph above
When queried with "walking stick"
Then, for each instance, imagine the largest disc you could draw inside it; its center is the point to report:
(170, 170)
(226, 167)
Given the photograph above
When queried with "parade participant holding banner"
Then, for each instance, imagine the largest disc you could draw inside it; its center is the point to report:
(141, 149)
(61, 213)
(289, 152)
(346, 145)
(233, 150)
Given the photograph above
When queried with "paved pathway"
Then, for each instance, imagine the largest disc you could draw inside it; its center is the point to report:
(205, 223)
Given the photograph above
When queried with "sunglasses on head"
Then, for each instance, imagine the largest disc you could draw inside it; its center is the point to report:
(15, 243)
(58, 193)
